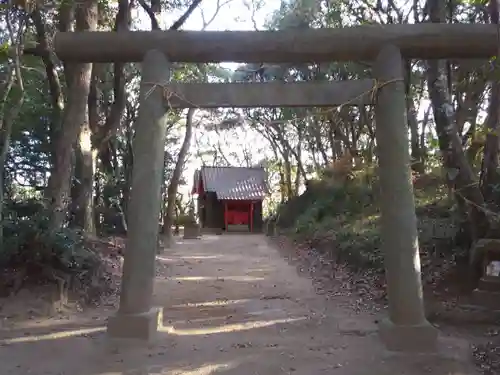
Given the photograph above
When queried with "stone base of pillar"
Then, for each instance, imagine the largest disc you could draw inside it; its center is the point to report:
(168, 242)
(271, 229)
(421, 338)
(142, 327)
(191, 232)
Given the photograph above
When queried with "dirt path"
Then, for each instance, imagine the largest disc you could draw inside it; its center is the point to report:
(232, 305)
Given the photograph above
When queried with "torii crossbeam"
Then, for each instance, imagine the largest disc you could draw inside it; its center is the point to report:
(420, 41)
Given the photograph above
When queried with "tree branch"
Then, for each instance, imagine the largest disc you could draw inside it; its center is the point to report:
(178, 24)
(154, 22)
(217, 10)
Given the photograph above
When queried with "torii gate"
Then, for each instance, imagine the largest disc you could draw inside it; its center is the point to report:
(406, 328)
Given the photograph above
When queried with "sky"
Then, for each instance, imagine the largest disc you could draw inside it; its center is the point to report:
(234, 15)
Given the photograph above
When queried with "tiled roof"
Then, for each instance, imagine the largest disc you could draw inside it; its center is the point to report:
(235, 182)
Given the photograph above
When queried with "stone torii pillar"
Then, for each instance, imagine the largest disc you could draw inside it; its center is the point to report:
(407, 328)
(136, 317)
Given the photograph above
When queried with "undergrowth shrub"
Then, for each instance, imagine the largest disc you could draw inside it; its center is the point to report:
(184, 220)
(32, 255)
(336, 222)
(342, 219)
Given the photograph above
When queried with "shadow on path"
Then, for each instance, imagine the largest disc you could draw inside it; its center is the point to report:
(232, 305)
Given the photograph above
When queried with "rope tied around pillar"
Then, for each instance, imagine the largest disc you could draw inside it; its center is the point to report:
(378, 84)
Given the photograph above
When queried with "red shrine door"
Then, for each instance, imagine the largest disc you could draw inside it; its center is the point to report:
(238, 213)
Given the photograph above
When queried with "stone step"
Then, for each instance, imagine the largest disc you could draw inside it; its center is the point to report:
(487, 299)
(237, 228)
(491, 284)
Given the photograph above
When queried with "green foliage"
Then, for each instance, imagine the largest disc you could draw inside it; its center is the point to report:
(337, 219)
(184, 220)
(342, 220)
(40, 256)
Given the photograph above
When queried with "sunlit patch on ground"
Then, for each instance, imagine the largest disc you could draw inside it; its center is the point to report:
(206, 369)
(52, 335)
(201, 257)
(216, 278)
(228, 328)
(213, 303)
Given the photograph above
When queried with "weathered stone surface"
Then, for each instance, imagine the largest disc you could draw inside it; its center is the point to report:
(489, 283)
(421, 338)
(483, 247)
(166, 242)
(272, 94)
(191, 232)
(143, 326)
(486, 298)
(482, 253)
(135, 316)
(406, 327)
(271, 228)
(237, 228)
(423, 41)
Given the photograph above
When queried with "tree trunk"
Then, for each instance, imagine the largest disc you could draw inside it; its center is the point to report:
(86, 158)
(459, 174)
(176, 175)
(300, 166)
(128, 166)
(422, 135)
(5, 134)
(489, 174)
(55, 90)
(73, 118)
(417, 164)
(287, 166)
(85, 164)
(9, 114)
(282, 182)
(93, 138)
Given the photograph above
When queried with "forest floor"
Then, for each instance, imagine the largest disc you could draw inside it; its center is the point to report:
(233, 304)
